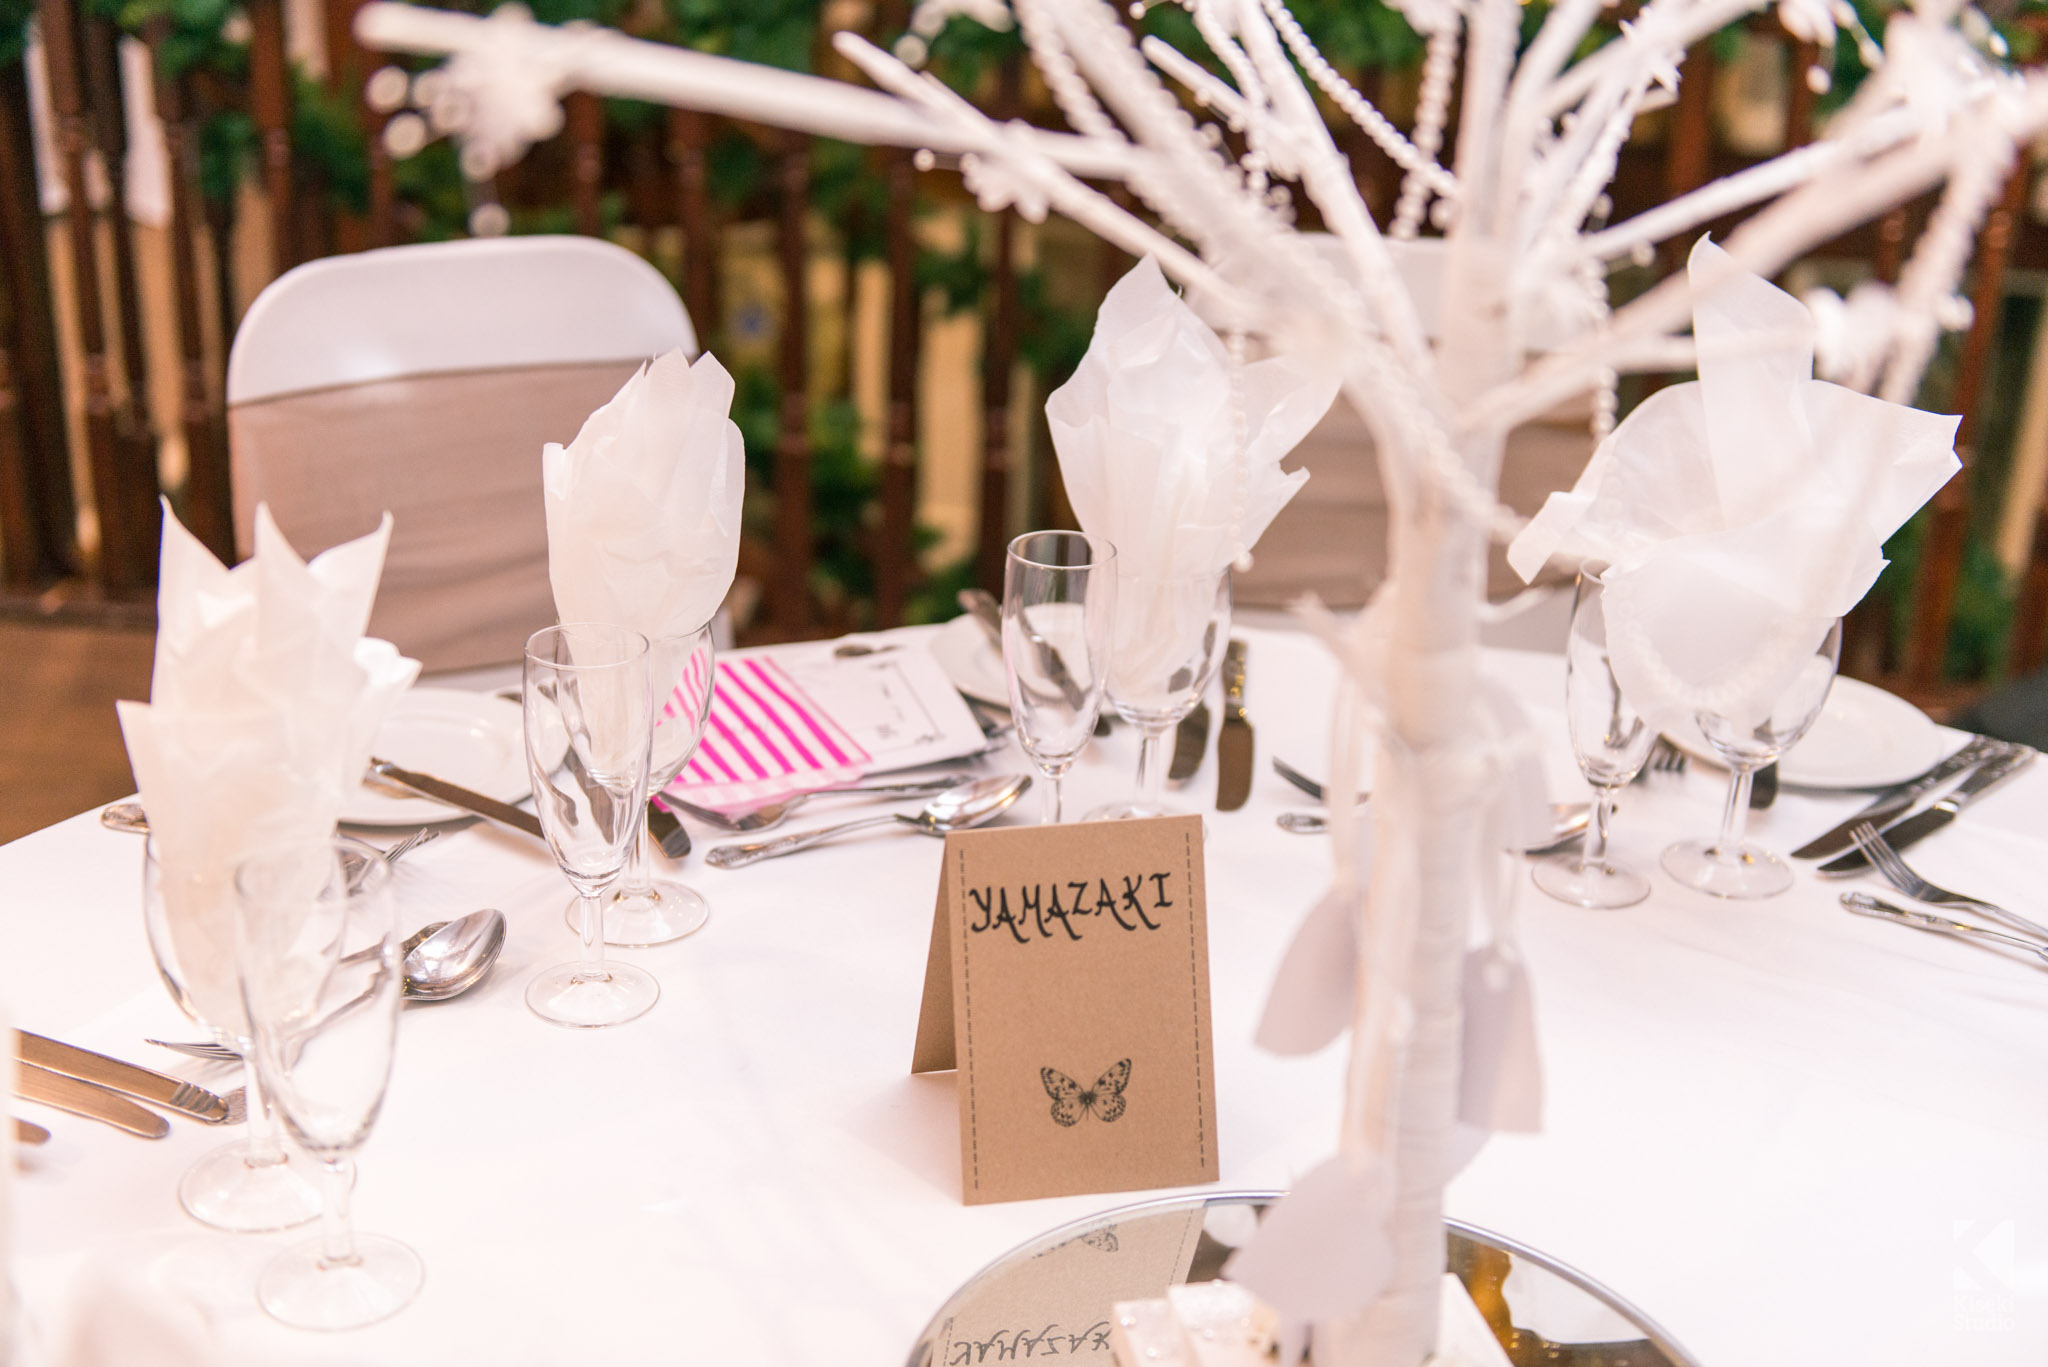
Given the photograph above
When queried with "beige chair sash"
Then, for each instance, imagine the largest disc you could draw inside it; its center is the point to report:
(456, 461)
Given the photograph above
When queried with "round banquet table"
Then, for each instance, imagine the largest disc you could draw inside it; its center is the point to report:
(1791, 1135)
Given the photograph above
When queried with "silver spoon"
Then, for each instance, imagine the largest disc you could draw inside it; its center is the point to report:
(455, 957)
(775, 813)
(442, 960)
(1570, 820)
(956, 809)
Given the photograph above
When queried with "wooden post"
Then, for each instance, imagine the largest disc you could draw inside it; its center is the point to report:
(1800, 96)
(270, 103)
(20, 565)
(1948, 523)
(138, 513)
(793, 540)
(585, 121)
(689, 135)
(123, 569)
(896, 567)
(208, 503)
(998, 358)
(31, 335)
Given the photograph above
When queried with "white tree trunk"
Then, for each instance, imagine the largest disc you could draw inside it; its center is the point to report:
(1429, 794)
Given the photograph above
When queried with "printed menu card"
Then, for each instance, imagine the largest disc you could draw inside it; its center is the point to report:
(1068, 981)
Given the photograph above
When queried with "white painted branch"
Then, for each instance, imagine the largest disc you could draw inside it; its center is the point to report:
(1744, 188)
(1706, 16)
(612, 63)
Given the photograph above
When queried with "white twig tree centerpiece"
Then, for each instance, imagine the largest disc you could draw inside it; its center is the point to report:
(1517, 291)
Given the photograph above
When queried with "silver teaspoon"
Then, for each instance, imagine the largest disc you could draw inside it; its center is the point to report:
(956, 809)
(454, 958)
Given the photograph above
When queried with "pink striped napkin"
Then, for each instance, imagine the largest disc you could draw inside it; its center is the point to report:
(766, 739)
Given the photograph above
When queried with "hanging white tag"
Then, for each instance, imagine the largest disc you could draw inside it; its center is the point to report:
(1323, 1252)
(1313, 993)
(1500, 1077)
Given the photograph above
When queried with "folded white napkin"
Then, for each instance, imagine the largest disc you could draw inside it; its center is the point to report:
(264, 702)
(644, 506)
(1146, 438)
(1740, 514)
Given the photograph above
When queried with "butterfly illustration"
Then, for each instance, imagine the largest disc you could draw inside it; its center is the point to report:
(1105, 1100)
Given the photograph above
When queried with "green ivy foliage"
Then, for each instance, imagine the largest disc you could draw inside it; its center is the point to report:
(14, 17)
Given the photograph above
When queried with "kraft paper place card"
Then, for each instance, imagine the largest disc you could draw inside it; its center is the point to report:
(1068, 980)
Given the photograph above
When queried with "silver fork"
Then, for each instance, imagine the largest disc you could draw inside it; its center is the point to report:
(1887, 861)
(1667, 758)
(211, 1052)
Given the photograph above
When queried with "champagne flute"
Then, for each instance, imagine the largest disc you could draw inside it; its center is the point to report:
(252, 1184)
(643, 909)
(1610, 740)
(1059, 601)
(1169, 637)
(590, 682)
(318, 945)
(1731, 866)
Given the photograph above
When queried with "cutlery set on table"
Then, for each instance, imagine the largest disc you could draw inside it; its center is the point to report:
(1870, 840)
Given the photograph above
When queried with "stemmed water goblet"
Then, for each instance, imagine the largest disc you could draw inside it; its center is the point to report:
(589, 682)
(1059, 601)
(1731, 866)
(252, 1184)
(316, 938)
(643, 909)
(1169, 636)
(1610, 740)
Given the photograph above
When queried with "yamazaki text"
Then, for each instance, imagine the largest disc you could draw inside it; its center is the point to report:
(1037, 911)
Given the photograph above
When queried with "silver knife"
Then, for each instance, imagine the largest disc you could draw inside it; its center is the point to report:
(83, 1098)
(1190, 743)
(1234, 739)
(172, 1093)
(441, 790)
(666, 830)
(1892, 801)
(1913, 829)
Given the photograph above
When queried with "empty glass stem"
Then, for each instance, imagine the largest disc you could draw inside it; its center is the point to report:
(265, 1144)
(1152, 761)
(590, 924)
(337, 1233)
(1603, 813)
(1735, 816)
(638, 879)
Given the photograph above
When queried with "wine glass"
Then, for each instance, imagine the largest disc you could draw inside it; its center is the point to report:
(1730, 866)
(643, 909)
(590, 682)
(321, 972)
(1610, 740)
(252, 1184)
(1169, 637)
(1059, 601)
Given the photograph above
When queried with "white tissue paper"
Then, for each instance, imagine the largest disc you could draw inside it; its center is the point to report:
(1147, 447)
(643, 507)
(264, 701)
(1740, 514)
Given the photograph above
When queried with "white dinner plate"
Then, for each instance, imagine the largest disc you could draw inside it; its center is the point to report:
(974, 665)
(474, 740)
(1863, 738)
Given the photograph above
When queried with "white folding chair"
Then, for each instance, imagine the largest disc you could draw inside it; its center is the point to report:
(425, 380)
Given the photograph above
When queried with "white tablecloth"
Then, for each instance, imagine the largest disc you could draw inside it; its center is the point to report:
(1791, 1135)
